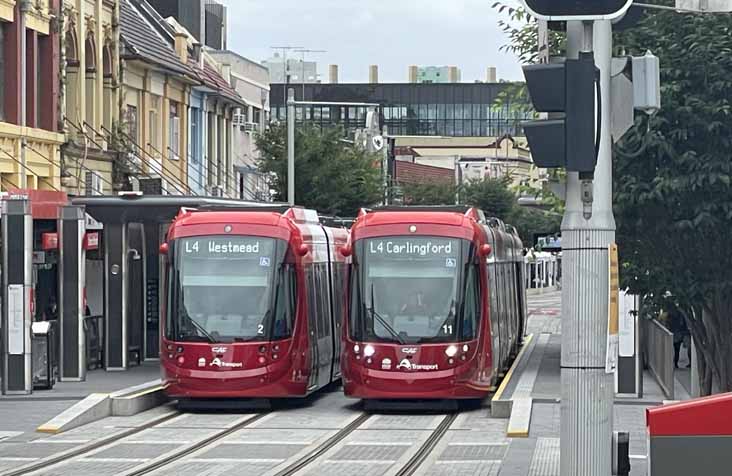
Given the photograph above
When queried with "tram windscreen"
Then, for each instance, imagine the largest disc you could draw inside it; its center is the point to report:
(223, 288)
(411, 290)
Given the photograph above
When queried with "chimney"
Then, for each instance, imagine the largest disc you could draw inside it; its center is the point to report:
(226, 72)
(374, 74)
(490, 75)
(413, 73)
(453, 74)
(181, 46)
(333, 74)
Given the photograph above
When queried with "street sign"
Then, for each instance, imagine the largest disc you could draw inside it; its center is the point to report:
(558, 10)
(377, 142)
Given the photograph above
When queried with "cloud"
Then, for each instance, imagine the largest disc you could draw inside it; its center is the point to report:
(391, 33)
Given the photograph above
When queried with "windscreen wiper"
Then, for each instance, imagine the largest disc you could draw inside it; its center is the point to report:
(381, 320)
(198, 326)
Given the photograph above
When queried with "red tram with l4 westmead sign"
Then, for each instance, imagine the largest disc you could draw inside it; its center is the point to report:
(253, 306)
(436, 303)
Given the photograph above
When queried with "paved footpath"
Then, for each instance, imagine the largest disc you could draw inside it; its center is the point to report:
(20, 415)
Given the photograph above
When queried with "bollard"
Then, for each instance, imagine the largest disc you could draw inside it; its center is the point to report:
(621, 453)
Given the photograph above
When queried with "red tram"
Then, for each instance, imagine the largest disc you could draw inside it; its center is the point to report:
(436, 303)
(253, 306)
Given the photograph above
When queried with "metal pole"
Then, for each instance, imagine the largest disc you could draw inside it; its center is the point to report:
(291, 146)
(24, 7)
(588, 229)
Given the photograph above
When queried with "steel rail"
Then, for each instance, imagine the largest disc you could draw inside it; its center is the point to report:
(416, 461)
(320, 450)
(65, 456)
(192, 448)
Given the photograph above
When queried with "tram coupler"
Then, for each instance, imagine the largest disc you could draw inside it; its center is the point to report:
(621, 453)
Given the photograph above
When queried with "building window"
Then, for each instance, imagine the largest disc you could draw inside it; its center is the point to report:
(132, 123)
(174, 131)
(195, 140)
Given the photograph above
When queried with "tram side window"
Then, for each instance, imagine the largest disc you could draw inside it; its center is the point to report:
(472, 304)
(285, 306)
(339, 276)
(324, 305)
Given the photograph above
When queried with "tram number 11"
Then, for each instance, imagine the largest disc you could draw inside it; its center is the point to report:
(447, 329)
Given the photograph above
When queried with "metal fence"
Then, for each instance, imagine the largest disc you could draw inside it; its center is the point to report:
(659, 350)
(543, 272)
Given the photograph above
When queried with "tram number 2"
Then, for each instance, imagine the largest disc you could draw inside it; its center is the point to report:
(447, 329)
(260, 329)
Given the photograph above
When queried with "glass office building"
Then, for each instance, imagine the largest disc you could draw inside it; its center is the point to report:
(452, 109)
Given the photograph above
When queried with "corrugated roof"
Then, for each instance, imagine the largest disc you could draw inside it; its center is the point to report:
(142, 41)
(210, 77)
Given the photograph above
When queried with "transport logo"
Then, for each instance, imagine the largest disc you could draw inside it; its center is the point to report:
(220, 350)
(406, 364)
(219, 363)
(409, 350)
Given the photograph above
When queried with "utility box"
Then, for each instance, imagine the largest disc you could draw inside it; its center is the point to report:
(43, 352)
(646, 83)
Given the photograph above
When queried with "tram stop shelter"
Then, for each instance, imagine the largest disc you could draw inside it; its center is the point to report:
(124, 282)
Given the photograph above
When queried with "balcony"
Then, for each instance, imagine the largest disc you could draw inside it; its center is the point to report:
(42, 157)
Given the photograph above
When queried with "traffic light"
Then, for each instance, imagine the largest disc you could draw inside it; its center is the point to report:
(567, 87)
(576, 9)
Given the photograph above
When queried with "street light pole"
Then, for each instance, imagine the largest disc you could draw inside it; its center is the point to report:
(291, 146)
(588, 229)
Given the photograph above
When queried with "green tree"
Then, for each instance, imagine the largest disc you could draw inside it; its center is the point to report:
(672, 177)
(331, 176)
(493, 196)
(672, 188)
(533, 222)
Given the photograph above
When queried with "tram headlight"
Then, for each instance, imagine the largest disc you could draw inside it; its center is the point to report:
(369, 350)
(466, 348)
(357, 348)
(451, 351)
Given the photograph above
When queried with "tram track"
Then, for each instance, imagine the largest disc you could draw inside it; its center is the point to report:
(64, 456)
(327, 445)
(159, 463)
(423, 452)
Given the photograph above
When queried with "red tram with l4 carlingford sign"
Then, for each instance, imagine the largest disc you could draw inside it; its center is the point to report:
(253, 306)
(436, 303)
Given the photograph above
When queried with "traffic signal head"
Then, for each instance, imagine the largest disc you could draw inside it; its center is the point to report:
(558, 10)
(569, 88)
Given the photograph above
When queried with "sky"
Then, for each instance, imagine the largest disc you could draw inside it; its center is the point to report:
(390, 33)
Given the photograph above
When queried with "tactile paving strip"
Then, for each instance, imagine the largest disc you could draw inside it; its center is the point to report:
(358, 452)
(455, 452)
(546, 458)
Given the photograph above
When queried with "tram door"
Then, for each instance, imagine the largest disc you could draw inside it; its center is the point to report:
(319, 315)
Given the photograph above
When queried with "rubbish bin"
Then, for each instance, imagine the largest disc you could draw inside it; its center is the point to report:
(43, 355)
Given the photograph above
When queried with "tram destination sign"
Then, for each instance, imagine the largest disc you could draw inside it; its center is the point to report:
(422, 247)
(220, 246)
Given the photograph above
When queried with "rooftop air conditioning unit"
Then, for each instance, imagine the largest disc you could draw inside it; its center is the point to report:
(93, 183)
(238, 120)
(250, 126)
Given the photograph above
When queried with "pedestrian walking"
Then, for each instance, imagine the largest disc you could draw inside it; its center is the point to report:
(682, 336)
